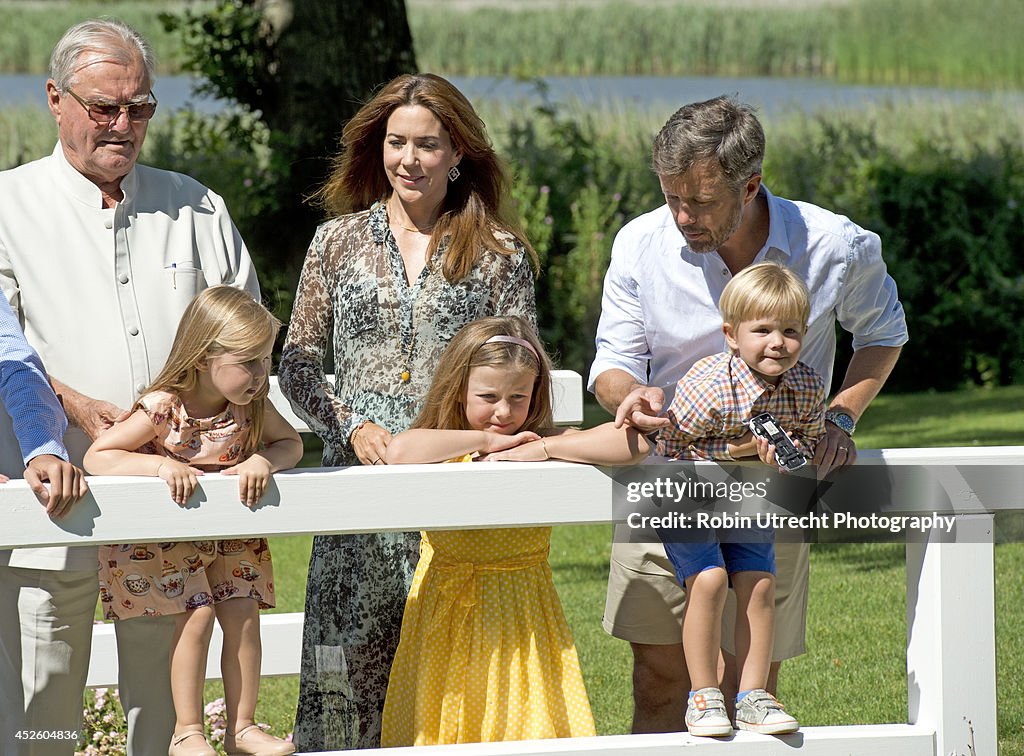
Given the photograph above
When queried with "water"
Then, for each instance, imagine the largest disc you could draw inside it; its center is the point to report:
(773, 96)
(172, 92)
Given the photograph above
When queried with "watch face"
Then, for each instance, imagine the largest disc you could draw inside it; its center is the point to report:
(843, 420)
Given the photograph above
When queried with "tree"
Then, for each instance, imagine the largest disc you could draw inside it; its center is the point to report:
(303, 68)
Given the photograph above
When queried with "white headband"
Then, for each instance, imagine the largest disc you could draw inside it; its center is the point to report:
(514, 340)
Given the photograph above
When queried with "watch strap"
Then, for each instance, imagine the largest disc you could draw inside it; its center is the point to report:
(841, 420)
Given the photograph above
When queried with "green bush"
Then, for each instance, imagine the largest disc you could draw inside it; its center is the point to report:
(950, 210)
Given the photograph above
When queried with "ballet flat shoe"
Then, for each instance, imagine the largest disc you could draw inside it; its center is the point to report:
(240, 745)
(190, 742)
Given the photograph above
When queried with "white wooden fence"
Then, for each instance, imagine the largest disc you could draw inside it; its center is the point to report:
(950, 586)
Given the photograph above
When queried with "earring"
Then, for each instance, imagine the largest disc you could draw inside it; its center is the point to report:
(453, 173)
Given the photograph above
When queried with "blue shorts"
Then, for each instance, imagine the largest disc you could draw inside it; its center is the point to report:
(734, 550)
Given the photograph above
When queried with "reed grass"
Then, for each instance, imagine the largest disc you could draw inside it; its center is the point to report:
(973, 43)
(948, 43)
(31, 29)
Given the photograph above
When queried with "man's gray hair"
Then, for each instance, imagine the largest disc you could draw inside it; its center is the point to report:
(721, 130)
(107, 36)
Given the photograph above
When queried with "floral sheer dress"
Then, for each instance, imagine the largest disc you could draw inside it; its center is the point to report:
(387, 337)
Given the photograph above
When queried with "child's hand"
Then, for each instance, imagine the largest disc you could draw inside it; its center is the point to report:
(766, 452)
(496, 442)
(533, 451)
(180, 478)
(253, 476)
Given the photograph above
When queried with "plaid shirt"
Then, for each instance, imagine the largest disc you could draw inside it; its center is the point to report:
(718, 396)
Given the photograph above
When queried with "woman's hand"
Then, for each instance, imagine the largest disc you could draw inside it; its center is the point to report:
(369, 442)
(180, 478)
(253, 477)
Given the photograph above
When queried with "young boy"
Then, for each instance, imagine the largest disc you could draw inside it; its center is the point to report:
(765, 310)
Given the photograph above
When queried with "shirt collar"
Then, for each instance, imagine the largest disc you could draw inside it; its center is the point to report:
(84, 190)
(778, 238)
(752, 384)
(378, 220)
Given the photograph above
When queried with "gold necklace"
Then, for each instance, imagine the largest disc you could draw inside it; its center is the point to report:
(406, 373)
(401, 225)
(418, 230)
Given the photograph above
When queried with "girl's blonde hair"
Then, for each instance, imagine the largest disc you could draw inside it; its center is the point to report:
(445, 404)
(219, 320)
(766, 289)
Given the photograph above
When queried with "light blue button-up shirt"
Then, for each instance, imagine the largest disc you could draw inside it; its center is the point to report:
(660, 304)
(38, 418)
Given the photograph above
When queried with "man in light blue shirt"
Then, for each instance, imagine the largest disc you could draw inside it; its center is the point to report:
(660, 315)
(38, 419)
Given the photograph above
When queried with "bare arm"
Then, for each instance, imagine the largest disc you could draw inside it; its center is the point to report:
(602, 445)
(869, 368)
(422, 445)
(282, 445)
(632, 403)
(110, 455)
(93, 416)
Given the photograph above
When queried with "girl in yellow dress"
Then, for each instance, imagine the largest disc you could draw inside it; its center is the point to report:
(485, 652)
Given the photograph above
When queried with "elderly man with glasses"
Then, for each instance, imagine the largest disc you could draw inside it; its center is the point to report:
(99, 257)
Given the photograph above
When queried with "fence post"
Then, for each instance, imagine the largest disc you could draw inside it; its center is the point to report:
(951, 644)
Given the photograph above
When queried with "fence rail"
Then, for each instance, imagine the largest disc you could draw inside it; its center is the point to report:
(950, 661)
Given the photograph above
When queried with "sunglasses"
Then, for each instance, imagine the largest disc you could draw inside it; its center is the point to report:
(103, 113)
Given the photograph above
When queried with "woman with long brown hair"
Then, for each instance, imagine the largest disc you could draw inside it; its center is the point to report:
(418, 245)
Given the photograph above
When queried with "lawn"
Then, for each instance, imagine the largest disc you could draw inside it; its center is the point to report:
(854, 671)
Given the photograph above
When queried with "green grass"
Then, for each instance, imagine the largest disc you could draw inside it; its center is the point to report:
(963, 43)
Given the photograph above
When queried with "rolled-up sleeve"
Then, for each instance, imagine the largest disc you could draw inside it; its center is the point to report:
(621, 336)
(869, 306)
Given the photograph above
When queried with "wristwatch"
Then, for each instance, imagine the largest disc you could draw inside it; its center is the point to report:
(843, 421)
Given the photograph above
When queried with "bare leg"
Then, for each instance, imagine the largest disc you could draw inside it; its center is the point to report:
(755, 626)
(660, 685)
(188, 666)
(702, 625)
(240, 659)
(240, 667)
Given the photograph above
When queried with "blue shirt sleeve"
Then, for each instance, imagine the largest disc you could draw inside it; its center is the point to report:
(38, 419)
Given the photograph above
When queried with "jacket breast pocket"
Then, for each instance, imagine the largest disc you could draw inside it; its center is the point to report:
(357, 307)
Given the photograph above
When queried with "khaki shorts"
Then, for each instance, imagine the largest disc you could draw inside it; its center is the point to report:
(645, 603)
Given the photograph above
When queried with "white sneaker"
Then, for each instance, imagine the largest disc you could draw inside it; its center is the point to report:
(705, 714)
(760, 712)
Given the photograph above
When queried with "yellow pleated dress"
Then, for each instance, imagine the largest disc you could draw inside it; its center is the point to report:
(485, 652)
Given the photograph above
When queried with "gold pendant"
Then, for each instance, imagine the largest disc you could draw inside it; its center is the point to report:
(406, 375)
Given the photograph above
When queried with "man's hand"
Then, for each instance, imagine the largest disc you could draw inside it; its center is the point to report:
(835, 449)
(96, 415)
(640, 409)
(67, 483)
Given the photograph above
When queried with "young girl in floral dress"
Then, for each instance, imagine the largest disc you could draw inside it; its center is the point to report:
(207, 411)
